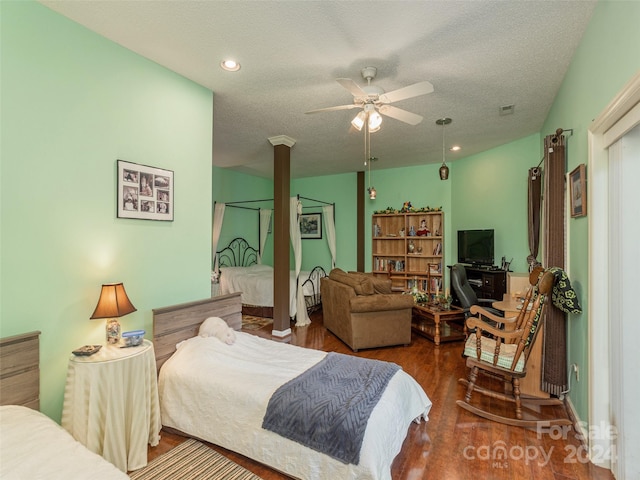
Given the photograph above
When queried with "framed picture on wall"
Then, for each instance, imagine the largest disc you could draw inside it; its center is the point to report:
(144, 192)
(578, 191)
(311, 225)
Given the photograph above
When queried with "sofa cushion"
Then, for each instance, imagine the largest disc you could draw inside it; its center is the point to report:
(380, 284)
(361, 284)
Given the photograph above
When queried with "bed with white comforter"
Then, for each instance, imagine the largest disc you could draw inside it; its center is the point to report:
(256, 284)
(219, 393)
(32, 446)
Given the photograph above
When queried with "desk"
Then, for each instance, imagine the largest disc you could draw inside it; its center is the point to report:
(435, 316)
(530, 384)
(111, 403)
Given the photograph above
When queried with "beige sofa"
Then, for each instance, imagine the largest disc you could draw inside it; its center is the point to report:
(362, 312)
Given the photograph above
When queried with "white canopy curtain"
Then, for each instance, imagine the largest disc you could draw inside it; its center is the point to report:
(265, 220)
(330, 229)
(295, 210)
(218, 216)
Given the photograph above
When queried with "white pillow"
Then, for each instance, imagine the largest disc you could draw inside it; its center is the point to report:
(217, 327)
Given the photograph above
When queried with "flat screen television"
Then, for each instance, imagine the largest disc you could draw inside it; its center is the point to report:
(475, 247)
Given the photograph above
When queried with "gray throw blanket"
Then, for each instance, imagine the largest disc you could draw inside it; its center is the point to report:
(327, 407)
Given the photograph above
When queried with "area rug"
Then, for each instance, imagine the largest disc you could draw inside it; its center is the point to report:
(252, 322)
(192, 460)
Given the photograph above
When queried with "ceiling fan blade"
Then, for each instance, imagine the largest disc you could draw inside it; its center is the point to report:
(399, 114)
(415, 90)
(330, 109)
(352, 86)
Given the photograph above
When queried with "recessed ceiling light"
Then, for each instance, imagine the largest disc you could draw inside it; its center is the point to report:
(455, 148)
(230, 65)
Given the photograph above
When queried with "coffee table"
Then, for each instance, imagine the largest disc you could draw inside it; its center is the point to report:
(438, 324)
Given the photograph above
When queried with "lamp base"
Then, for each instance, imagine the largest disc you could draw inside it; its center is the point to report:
(113, 331)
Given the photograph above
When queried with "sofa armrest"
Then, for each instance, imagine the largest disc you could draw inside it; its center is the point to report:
(380, 302)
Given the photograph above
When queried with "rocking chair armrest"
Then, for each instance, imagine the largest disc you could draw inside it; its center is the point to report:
(477, 310)
(475, 322)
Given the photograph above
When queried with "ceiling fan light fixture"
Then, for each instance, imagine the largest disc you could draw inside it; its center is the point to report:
(375, 120)
(358, 120)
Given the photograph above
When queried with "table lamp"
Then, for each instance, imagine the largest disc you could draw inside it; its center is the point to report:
(113, 304)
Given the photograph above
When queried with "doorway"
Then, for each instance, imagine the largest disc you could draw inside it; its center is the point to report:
(614, 225)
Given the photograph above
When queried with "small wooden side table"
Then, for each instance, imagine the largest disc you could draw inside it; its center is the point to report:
(438, 324)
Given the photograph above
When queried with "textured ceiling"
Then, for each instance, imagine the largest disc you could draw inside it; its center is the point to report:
(479, 55)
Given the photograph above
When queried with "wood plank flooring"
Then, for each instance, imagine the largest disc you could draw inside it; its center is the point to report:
(454, 444)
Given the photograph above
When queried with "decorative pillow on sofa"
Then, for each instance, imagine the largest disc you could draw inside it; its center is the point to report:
(360, 283)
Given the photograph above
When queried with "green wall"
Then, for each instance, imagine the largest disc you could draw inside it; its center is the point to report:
(72, 104)
(341, 190)
(489, 190)
(230, 186)
(606, 59)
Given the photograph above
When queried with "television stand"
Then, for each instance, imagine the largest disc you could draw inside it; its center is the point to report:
(486, 281)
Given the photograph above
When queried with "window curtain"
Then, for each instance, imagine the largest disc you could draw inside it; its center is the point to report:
(295, 210)
(218, 216)
(533, 205)
(265, 220)
(330, 228)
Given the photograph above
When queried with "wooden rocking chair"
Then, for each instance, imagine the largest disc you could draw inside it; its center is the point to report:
(505, 352)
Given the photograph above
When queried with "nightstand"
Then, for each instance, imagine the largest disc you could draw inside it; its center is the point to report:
(111, 403)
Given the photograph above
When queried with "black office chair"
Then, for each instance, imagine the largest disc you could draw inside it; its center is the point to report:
(465, 293)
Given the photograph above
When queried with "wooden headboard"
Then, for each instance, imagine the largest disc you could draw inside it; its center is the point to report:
(173, 324)
(20, 370)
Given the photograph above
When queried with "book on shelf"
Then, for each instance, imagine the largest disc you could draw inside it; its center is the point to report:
(435, 268)
(437, 250)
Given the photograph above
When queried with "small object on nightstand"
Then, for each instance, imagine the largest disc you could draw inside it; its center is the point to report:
(133, 338)
(86, 350)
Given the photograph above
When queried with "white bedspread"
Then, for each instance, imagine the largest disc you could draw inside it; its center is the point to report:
(220, 392)
(256, 284)
(33, 447)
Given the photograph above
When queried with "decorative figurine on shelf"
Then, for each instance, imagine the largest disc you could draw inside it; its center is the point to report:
(412, 231)
(423, 230)
(419, 249)
(411, 247)
(402, 232)
(377, 232)
(406, 207)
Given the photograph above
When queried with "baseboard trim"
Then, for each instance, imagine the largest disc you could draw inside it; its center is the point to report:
(578, 424)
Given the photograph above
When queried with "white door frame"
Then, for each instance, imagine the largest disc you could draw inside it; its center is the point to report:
(605, 130)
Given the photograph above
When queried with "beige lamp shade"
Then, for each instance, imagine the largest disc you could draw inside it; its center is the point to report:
(113, 302)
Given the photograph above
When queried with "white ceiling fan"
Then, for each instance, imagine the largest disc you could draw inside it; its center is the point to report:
(373, 99)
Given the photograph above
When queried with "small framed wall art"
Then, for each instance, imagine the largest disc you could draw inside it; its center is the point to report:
(144, 192)
(311, 225)
(578, 191)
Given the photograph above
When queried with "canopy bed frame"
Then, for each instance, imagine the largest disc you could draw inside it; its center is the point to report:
(240, 272)
(306, 293)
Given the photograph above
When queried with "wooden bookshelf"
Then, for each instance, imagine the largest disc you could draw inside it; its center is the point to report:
(406, 258)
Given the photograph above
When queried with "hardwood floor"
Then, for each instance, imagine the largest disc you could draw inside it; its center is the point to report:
(454, 444)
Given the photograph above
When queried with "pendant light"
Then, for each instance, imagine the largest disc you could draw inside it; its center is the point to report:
(444, 169)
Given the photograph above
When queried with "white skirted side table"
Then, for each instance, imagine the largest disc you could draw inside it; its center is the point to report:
(111, 403)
